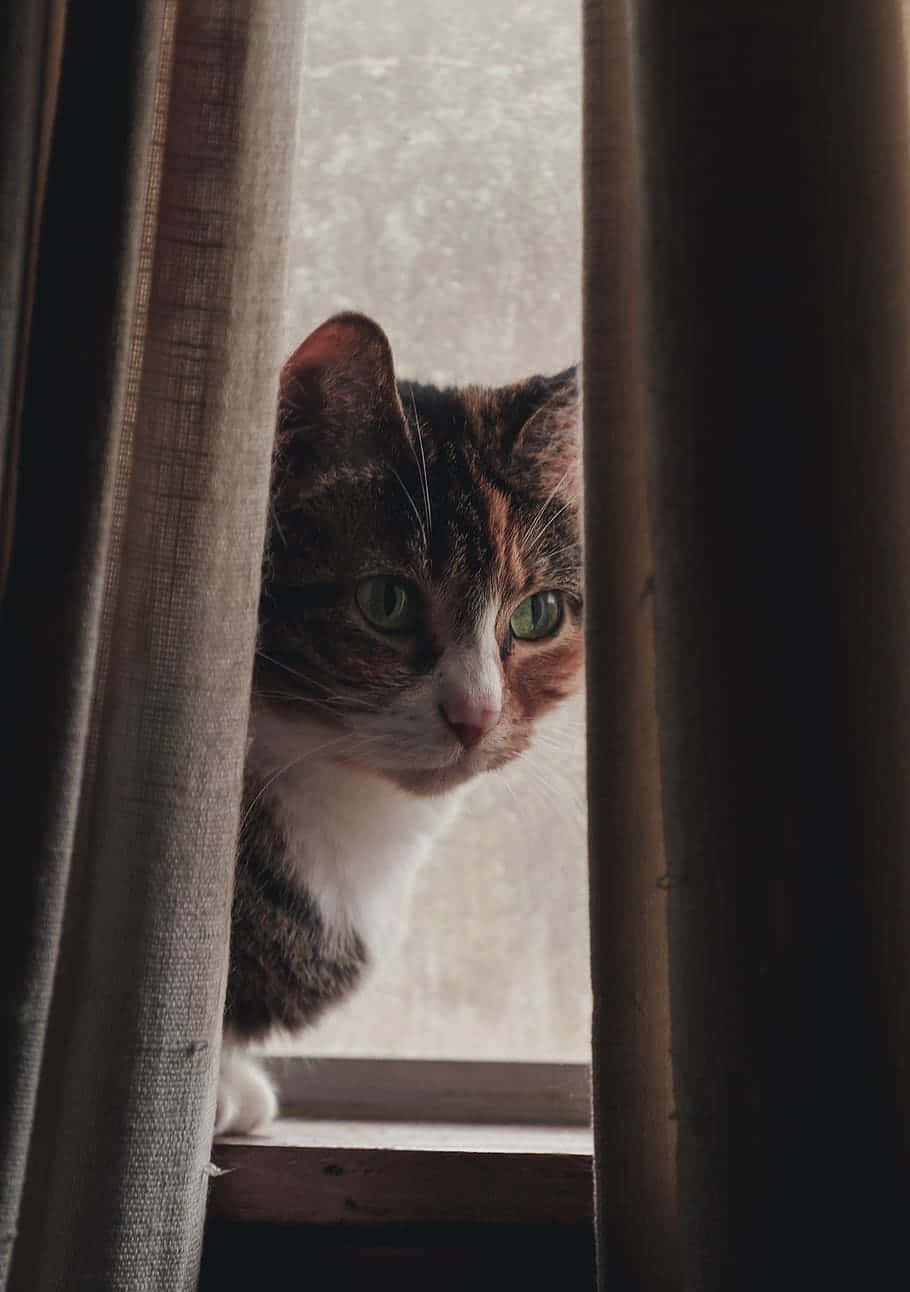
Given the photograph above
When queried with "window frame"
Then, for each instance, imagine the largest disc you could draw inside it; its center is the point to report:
(505, 1092)
(413, 1141)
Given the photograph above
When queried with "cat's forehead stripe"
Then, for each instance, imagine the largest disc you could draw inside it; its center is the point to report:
(449, 506)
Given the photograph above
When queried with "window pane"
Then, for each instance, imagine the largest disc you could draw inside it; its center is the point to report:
(437, 190)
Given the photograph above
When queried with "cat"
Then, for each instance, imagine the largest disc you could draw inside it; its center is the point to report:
(421, 607)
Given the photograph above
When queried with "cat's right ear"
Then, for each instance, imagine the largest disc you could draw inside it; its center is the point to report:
(338, 384)
(547, 445)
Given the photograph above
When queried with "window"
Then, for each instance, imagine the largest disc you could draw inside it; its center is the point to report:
(437, 190)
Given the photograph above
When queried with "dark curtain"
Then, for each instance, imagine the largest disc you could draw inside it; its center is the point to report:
(748, 482)
(144, 212)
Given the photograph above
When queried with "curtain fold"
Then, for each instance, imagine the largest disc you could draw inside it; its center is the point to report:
(635, 1135)
(754, 324)
(75, 354)
(30, 37)
(129, 620)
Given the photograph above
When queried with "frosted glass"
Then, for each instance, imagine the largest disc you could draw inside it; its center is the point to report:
(437, 189)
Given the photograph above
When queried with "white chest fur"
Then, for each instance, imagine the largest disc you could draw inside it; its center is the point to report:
(354, 839)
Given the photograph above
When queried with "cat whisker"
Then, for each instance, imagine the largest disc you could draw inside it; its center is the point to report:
(270, 780)
(290, 695)
(559, 752)
(529, 533)
(311, 681)
(561, 747)
(277, 524)
(354, 747)
(564, 801)
(557, 772)
(575, 731)
(504, 782)
(537, 538)
(553, 727)
(412, 502)
(423, 462)
(533, 767)
(563, 551)
(333, 707)
(333, 700)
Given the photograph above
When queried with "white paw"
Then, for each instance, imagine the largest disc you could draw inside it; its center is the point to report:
(246, 1099)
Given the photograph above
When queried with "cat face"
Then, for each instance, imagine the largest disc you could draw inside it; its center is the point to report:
(422, 589)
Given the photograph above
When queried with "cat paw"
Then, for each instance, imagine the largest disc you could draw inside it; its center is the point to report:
(247, 1102)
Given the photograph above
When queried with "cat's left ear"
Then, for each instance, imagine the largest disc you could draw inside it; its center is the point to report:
(337, 390)
(548, 440)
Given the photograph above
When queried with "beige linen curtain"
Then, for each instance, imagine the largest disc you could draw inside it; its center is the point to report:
(143, 210)
(747, 413)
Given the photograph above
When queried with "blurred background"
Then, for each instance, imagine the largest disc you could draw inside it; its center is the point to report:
(437, 189)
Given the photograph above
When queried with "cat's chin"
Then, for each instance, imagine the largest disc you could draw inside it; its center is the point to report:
(429, 781)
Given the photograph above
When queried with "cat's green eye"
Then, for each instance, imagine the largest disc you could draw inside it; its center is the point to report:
(537, 616)
(389, 604)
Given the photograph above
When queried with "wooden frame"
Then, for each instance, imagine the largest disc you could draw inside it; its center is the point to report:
(391, 1141)
(431, 1090)
(402, 1173)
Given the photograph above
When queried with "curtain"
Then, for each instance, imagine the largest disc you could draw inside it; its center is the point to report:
(747, 387)
(144, 212)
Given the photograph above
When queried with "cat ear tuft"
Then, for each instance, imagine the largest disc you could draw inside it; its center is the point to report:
(340, 377)
(548, 439)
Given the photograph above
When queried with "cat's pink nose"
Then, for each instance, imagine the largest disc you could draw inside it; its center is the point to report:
(470, 722)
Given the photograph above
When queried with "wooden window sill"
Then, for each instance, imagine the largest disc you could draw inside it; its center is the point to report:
(320, 1172)
(433, 1090)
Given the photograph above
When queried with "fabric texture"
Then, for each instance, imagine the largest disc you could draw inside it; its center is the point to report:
(635, 1137)
(30, 38)
(128, 620)
(747, 385)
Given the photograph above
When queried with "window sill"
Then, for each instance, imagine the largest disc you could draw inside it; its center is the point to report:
(378, 1173)
(433, 1090)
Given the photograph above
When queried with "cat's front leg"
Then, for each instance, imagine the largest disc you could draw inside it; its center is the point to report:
(247, 1102)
